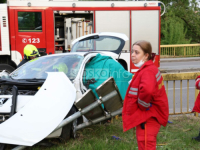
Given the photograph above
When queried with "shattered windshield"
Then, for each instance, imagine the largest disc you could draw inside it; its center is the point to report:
(38, 68)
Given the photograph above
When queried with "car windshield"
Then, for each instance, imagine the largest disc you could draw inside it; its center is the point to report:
(38, 68)
(99, 43)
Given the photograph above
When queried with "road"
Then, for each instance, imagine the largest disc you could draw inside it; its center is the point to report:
(184, 95)
(180, 66)
(175, 65)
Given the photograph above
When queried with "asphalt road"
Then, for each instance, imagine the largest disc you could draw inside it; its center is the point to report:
(178, 95)
(180, 66)
(175, 65)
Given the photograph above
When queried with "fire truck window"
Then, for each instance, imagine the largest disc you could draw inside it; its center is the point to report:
(30, 21)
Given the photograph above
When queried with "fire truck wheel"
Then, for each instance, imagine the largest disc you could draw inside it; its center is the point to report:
(2, 146)
(69, 130)
(6, 67)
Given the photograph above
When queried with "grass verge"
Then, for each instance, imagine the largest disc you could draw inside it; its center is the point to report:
(175, 136)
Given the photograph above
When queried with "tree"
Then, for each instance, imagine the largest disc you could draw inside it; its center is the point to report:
(184, 14)
(173, 30)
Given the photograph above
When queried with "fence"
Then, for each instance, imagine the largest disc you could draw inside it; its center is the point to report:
(180, 77)
(182, 50)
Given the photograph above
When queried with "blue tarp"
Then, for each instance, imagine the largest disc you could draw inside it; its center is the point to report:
(101, 68)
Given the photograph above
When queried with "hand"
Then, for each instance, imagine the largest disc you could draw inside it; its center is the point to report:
(149, 107)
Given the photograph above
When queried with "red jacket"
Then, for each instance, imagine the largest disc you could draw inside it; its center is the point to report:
(146, 91)
(197, 102)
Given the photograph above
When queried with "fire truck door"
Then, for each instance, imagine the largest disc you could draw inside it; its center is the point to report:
(30, 29)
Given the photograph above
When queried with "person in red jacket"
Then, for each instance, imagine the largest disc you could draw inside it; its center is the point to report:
(197, 104)
(146, 104)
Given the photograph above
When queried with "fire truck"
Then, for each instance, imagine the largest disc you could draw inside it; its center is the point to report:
(52, 25)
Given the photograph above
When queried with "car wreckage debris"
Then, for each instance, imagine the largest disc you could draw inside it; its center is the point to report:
(105, 98)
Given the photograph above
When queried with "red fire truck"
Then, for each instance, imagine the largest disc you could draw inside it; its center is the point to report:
(52, 25)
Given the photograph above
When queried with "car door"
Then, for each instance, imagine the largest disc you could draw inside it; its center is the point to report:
(30, 29)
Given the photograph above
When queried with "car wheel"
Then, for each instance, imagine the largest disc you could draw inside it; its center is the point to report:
(69, 130)
(2, 146)
(6, 67)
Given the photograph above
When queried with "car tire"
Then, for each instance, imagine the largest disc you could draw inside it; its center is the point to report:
(6, 67)
(69, 131)
(2, 146)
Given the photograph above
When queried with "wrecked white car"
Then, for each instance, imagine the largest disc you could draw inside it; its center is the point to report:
(55, 95)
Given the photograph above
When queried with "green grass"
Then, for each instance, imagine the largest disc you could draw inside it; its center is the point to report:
(175, 136)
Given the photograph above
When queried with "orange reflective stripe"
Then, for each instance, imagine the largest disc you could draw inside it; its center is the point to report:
(160, 85)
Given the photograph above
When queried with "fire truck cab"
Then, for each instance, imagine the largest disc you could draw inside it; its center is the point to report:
(52, 26)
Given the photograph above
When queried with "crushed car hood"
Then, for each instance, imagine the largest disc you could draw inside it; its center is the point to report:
(42, 114)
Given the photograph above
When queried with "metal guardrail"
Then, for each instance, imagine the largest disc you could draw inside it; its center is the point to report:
(180, 50)
(180, 77)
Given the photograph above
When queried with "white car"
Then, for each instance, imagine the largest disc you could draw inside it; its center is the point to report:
(35, 98)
